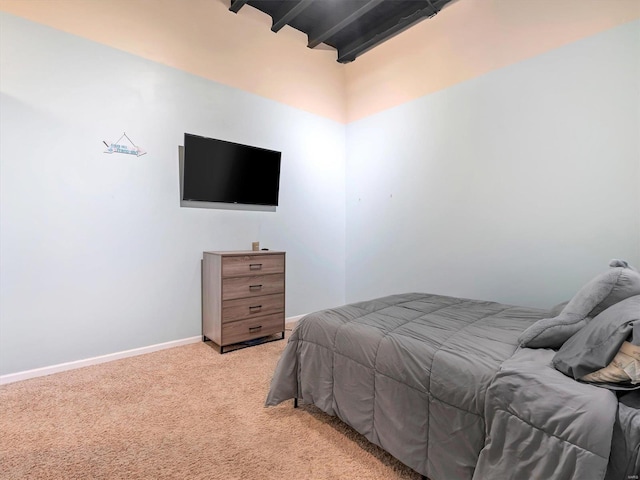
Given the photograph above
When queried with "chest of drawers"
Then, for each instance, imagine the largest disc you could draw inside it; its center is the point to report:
(242, 296)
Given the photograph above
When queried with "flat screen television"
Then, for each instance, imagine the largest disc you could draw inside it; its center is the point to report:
(226, 172)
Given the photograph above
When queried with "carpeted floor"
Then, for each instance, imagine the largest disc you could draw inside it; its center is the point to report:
(182, 413)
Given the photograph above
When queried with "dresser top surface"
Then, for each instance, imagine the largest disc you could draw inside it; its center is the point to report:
(241, 253)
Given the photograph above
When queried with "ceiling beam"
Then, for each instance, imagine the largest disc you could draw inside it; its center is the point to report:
(387, 30)
(288, 12)
(236, 5)
(351, 12)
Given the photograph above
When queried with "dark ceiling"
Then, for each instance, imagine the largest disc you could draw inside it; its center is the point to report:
(352, 27)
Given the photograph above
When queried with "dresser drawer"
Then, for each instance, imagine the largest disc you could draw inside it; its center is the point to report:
(252, 307)
(252, 265)
(243, 297)
(251, 328)
(253, 286)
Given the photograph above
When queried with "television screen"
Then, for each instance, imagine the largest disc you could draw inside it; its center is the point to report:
(226, 172)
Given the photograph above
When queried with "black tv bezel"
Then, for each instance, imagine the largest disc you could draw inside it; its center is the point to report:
(233, 201)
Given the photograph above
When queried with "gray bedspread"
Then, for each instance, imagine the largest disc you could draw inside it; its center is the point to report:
(624, 461)
(545, 424)
(428, 378)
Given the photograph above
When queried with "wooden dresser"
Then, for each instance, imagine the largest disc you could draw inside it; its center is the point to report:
(242, 296)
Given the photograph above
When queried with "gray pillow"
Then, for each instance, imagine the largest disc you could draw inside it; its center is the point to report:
(556, 309)
(593, 347)
(610, 287)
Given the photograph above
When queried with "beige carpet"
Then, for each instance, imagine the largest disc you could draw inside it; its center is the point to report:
(183, 413)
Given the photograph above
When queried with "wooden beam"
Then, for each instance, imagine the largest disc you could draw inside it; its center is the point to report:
(387, 30)
(351, 13)
(288, 12)
(236, 5)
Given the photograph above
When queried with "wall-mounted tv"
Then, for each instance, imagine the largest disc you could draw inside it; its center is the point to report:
(227, 172)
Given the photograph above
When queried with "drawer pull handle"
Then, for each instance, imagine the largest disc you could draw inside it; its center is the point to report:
(255, 266)
(255, 287)
(254, 329)
(257, 307)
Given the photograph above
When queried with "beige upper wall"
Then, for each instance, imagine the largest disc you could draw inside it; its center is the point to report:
(467, 39)
(204, 38)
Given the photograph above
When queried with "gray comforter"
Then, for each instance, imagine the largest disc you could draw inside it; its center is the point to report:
(440, 383)
(544, 424)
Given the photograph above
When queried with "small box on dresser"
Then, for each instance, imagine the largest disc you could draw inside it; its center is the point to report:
(242, 296)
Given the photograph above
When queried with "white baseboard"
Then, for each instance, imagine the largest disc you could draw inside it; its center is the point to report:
(292, 321)
(63, 367)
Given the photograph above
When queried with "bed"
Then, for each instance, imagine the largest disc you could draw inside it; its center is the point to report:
(450, 387)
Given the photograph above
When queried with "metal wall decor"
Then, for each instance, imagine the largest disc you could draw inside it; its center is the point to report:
(122, 147)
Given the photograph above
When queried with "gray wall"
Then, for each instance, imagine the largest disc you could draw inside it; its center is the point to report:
(517, 186)
(96, 254)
